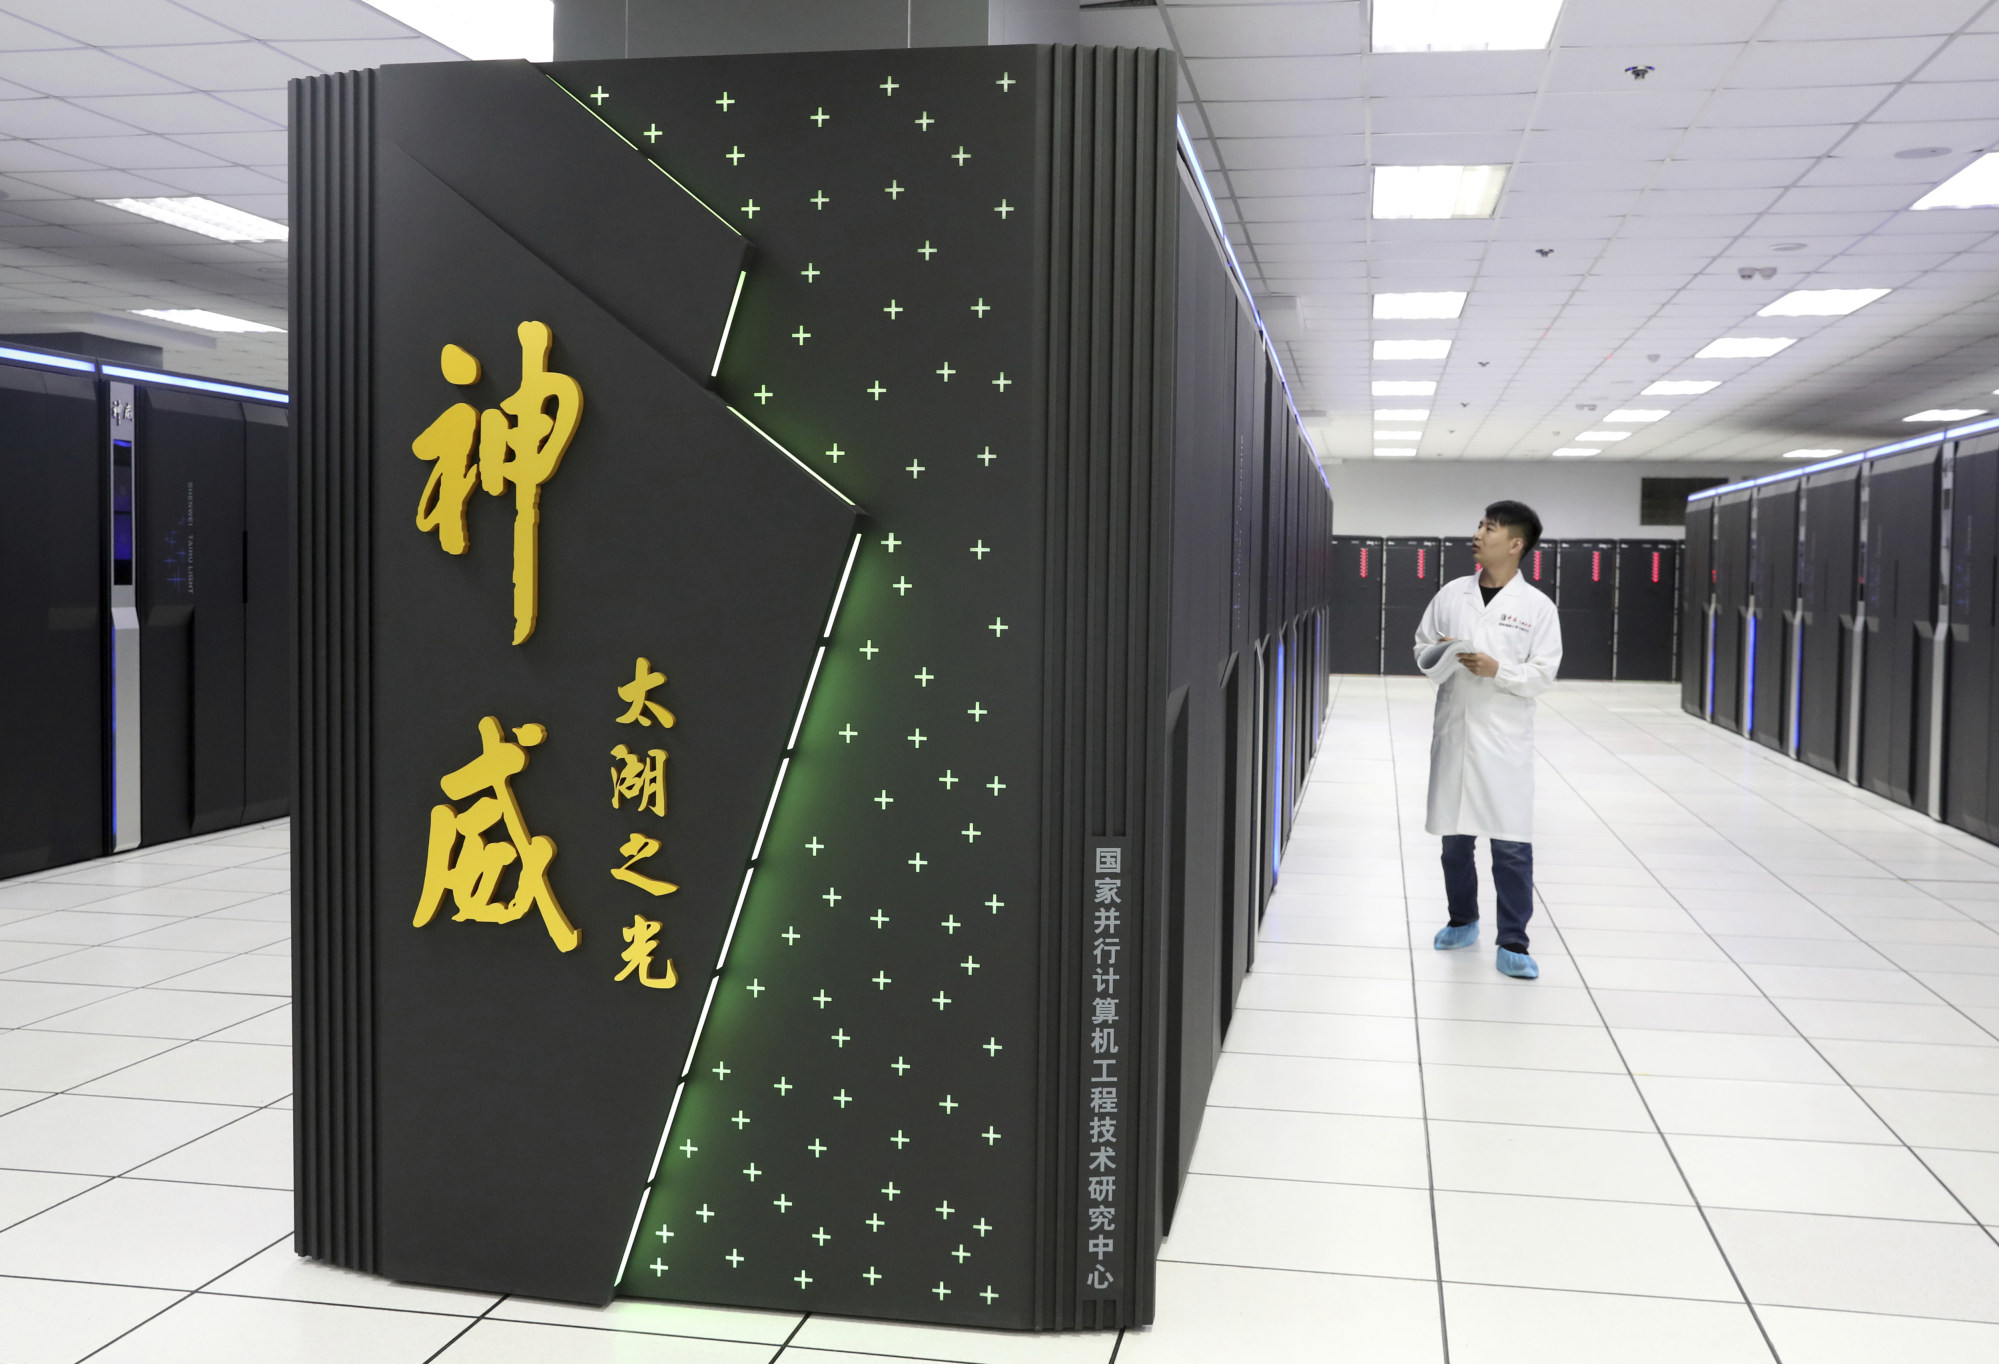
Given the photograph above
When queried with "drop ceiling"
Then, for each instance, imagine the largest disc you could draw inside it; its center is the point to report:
(1764, 138)
(105, 99)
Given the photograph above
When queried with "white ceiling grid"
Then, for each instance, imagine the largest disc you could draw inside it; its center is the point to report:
(1764, 136)
(108, 99)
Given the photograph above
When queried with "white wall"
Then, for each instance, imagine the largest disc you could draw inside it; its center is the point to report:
(1446, 497)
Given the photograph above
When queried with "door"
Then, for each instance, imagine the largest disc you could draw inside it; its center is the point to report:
(1900, 593)
(1648, 591)
(1971, 765)
(1731, 607)
(1586, 598)
(1827, 563)
(1696, 602)
(1774, 589)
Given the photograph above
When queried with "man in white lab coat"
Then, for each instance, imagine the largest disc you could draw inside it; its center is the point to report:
(1492, 643)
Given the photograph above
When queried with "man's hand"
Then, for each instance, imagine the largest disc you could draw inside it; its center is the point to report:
(1480, 665)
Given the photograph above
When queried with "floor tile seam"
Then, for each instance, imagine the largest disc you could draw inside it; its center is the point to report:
(1422, 1081)
(150, 1037)
(36, 1025)
(1821, 1036)
(131, 1176)
(185, 1295)
(242, 1295)
(1852, 1089)
(101, 1181)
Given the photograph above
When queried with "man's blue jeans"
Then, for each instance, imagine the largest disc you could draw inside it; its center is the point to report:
(1513, 883)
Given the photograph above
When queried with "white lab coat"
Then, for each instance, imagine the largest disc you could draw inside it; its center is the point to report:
(1482, 738)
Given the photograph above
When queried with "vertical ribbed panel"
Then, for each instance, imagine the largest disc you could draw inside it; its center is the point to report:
(332, 285)
(1107, 312)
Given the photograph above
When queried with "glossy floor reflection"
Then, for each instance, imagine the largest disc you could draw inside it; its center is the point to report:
(1750, 1110)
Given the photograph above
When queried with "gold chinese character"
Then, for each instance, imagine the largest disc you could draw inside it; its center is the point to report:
(475, 872)
(640, 779)
(637, 849)
(644, 679)
(519, 443)
(643, 936)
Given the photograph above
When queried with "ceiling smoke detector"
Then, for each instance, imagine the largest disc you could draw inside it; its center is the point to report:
(1752, 271)
(1639, 73)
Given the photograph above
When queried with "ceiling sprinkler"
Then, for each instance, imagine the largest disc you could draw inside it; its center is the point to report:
(1639, 73)
(1752, 271)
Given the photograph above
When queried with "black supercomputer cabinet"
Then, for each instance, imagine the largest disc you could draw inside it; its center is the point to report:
(190, 552)
(1827, 567)
(1354, 643)
(1648, 595)
(1539, 566)
(1696, 605)
(1899, 586)
(268, 611)
(1971, 765)
(1773, 557)
(1586, 600)
(1409, 581)
(1731, 608)
(52, 788)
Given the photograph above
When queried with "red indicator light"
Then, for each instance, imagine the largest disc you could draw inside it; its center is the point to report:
(1537, 565)
(1596, 565)
(1655, 565)
(1363, 561)
(1420, 560)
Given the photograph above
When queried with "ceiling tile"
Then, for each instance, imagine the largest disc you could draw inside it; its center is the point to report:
(1851, 61)
(220, 181)
(16, 155)
(1318, 180)
(39, 118)
(269, 105)
(1808, 19)
(104, 22)
(1255, 30)
(80, 71)
(1717, 144)
(245, 149)
(1793, 108)
(293, 21)
(1272, 153)
(1225, 78)
(1598, 144)
(1638, 107)
(1403, 74)
(189, 113)
(1961, 135)
(1444, 149)
(137, 152)
(353, 55)
(1675, 67)
(1621, 23)
(1847, 199)
(1451, 114)
(1283, 118)
(1701, 174)
(1571, 175)
(1702, 201)
(220, 66)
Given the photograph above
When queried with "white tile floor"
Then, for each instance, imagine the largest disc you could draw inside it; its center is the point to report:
(1750, 1110)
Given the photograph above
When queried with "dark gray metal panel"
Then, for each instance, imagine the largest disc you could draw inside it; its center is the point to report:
(52, 790)
(1354, 640)
(1696, 596)
(1586, 599)
(1971, 730)
(1827, 568)
(270, 593)
(1648, 593)
(1774, 583)
(1899, 589)
(1730, 576)
(1409, 580)
(332, 377)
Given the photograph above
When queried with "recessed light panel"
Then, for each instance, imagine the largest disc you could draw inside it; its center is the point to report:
(1411, 350)
(1743, 348)
(1402, 414)
(1822, 302)
(1394, 452)
(1422, 306)
(1811, 454)
(1437, 191)
(205, 216)
(1575, 452)
(1639, 414)
(1976, 186)
(1945, 414)
(484, 30)
(1398, 435)
(1669, 388)
(1603, 435)
(1403, 388)
(1463, 25)
(207, 321)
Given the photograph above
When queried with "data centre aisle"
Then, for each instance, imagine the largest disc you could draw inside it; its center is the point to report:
(1760, 1067)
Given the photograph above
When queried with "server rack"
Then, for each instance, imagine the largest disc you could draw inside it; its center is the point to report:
(1772, 616)
(1353, 632)
(1409, 582)
(1727, 659)
(1827, 604)
(1455, 559)
(1541, 564)
(1971, 768)
(1586, 599)
(1648, 594)
(1899, 582)
(1697, 611)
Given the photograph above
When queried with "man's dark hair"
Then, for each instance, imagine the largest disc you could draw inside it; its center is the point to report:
(1519, 518)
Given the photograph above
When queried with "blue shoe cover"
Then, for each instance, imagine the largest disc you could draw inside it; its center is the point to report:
(1455, 935)
(1517, 964)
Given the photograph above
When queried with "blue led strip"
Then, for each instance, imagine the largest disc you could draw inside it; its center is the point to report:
(1915, 443)
(35, 357)
(153, 376)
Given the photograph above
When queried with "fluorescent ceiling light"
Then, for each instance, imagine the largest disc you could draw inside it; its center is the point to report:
(1945, 414)
(1402, 414)
(1822, 302)
(1393, 452)
(1437, 191)
(1398, 435)
(1669, 388)
(1603, 435)
(1744, 347)
(1638, 414)
(1811, 454)
(1403, 388)
(1575, 452)
(1976, 186)
(1411, 350)
(205, 216)
(207, 321)
(483, 30)
(1464, 25)
(1434, 305)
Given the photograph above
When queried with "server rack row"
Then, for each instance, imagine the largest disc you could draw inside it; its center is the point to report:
(1616, 599)
(146, 540)
(1846, 614)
